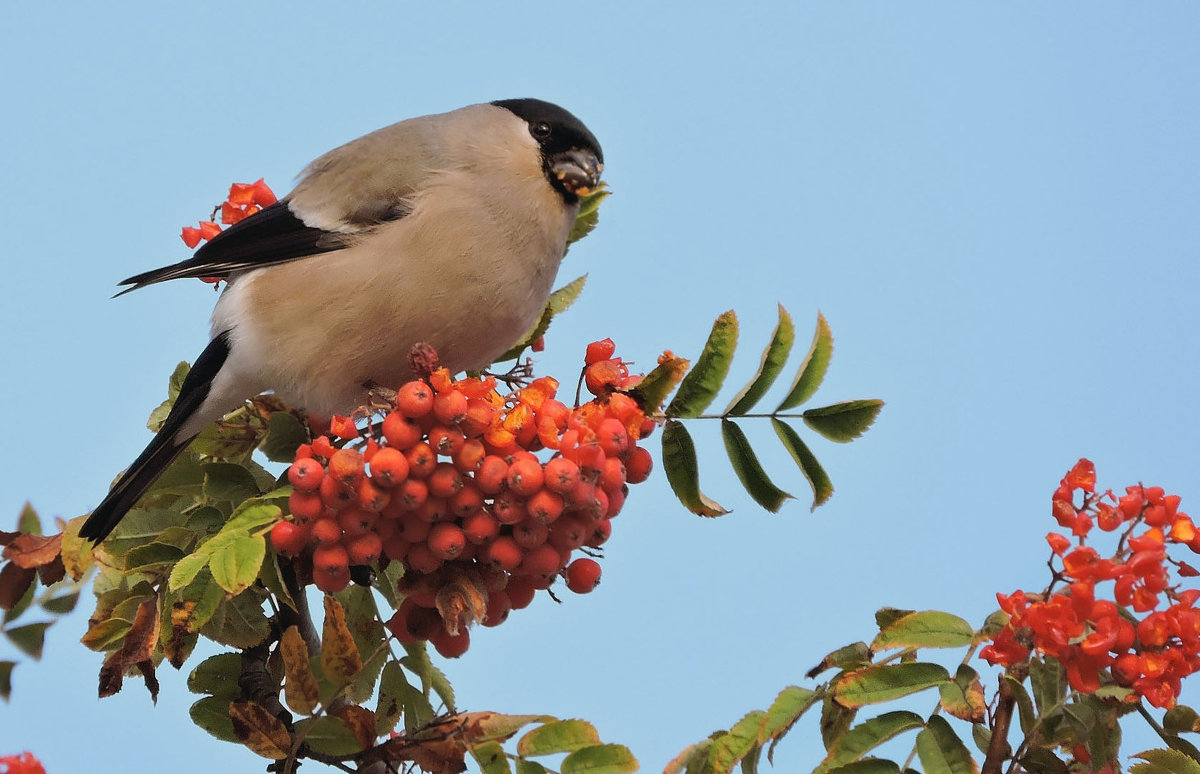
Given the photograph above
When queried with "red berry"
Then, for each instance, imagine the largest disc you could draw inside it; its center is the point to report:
(446, 441)
(306, 474)
(478, 419)
(491, 475)
(389, 467)
(446, 541)
(498, 607)
(413, 623)
(346, 466)
(332, 581)
(638, 465)
(525, 476)
(612, 437)
(466, 501)
(400, 432)
(305, 505)
(413, 528)
(503, 553)
(412, 494)
(356, 521)
(600, 534)
(468, 457)
(480, 527)
(520, 590)
(509, 509)
(433, 510)
(421, 559)
(371, 496)
(396, 548)
(414, 399)
(569, 533)
(530, 533)
(365, 549)
(335, 495)
(612, 476)
(583, 575)
(445, 480)
(599, 350)
(450, 407)
(326, 531)
(541, 561)
(421, 460)
(330, 559)
(545, 506)
(561, 475)
(288, 538)
(452, 645)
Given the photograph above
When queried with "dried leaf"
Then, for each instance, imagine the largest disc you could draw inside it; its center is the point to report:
(360, 721)
(259, 730)
(135, 651)
(31, 551)
(300, 688)
(14, 582)
(340, 658)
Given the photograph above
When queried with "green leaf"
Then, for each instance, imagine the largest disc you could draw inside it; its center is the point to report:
(29, 638)
(392, 685)
(559, 301)
(731, 747)
(186, 569)
(530, 767)
(491, 758)
(843, 422)
(28, 520)
(818, 479)
(235, 567)
(1049, 682)
(6, 668)
(749, 470)
(789, 705)
(773, 359)
(558, 736)
(704, 381)
(683, 472)
(328, 735)
(963, 697)
(812, 368)
(251, 515)
(1181, 719)
(877, 684)
(212, 714)
(238, 621)
(151, 556)
(1162, 761)
(657, 385)
(867, 736)
(228, 482)
(856, 655)
(217, 676)
(60, 605)
(868, 766)
(600, 759)
(1025, 714)
(925, 629)
(941, 751)
(285, 434)
(589, 214)
(835, 721)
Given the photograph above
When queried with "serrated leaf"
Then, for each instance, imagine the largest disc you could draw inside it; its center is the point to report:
(360, 721)
(600, 759)
(1164, 761)
(818, 479)
(731, 747)
(791, 703)
(749, 470)
(1048, 680)
(29, 639)
(683, 472)
(251, 515)
(151, 556)
(491, 758)
(941, 751)
(877, 684)
(300, 686)
(558, 736)
(217, 676)
(340, 658)
(925, 629)
(773, 359)
(186, 569)
(228, 482)
(235, 566)
(658, 385)
(963, 697)
(259, 730)
(285, 434)
(328, 735)
(843, 422)
(212, 714)
(701, 385)
(867, 736)
(1025, 714)
(238, 621)
(812, 368)
(392, 686)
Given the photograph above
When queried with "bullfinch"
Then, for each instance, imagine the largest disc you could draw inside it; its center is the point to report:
(447, 229)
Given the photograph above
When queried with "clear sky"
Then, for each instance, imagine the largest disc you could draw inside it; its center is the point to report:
(994, 205)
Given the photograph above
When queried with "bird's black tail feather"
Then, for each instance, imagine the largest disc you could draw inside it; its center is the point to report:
(166, 446)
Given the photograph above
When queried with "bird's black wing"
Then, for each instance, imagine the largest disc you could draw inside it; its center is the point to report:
(274, 235)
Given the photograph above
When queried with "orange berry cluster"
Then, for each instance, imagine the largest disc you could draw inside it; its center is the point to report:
(450, 485)
(244, 200)
(1094, 637)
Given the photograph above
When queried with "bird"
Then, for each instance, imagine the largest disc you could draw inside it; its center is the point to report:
(447, 228)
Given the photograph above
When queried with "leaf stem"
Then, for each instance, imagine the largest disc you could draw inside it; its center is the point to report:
(1158, 729)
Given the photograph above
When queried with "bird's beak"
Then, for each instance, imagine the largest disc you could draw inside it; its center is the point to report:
(577, 170)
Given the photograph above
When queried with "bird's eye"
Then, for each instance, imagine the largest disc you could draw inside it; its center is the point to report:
(540, 130)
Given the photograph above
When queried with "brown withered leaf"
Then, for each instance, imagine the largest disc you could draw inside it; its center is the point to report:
(14, 582)
(339, 655)
(436, 747)
(360, 720)
(259, 730)
(33, 550)
(52, 572)
(462, 600)
(7, 537)
(135, 651)
(300, 689)
(494, 726)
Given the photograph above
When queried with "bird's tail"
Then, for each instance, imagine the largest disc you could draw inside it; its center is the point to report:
(170, 441)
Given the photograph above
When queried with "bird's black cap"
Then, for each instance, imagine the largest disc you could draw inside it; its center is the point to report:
(566, 131)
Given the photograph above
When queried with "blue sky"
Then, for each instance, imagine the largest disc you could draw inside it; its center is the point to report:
(994, 206)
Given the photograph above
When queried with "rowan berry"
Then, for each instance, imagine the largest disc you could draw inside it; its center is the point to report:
(452, 645)
(583, 575)
(396, 548)
(478, 418)
(371, 496)
(530, 533)
(389, 467)
(600, 535)
(612, 437)
(322, 447)
(545, 506)
(413, 528)
(326, 531)
(520, 590)
(346, 466)
(331, 581)
(336, 495)
(498, 607)
(421, 559)
(433, 510)
(525, 476)
(446, 441)
(569, 533)
(446, 541)
(541, 561)
(414, 399)
(412, 623)
(357, 521)
(288, 538)
(469, 457)
(602, 376)
(421, 460)
(492, 473)
(306, 474)
(400, 432)
(330, 559)
(612, 476)
(480, 527)
(599, 350)
(343, 427)
(616, 501)
(450, 407)
(466, 501)
(638, 465)
(305, 505)
(411, 494)
(365, 549)
(445, 480)
(503, 553)
(561, 475)
(508, 508)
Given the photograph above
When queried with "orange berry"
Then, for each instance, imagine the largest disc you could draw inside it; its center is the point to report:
(498, 607)
(306, 474)
(638, 465)
(411, 494)
(343, 427)
(389, 467)
(365, 549)
(508, 508)
(545, 506)
(503, 553)
(305, 505)
(446, 441)
(599, 350)
(421, 461)
(371, 496)
(492, 473)
(346, 466)
(433, 510)
(413, 528)
(450, 407)
(480, 527)
(612, 475)
(520, 590)
(541, 561)
(466, 502)
(415, 399)
(335, 495)
(478, 418)
(600, 534)
(288, 538)
(322, 447)
(561, 475)
(530, 533)
(330, 559)
(326, 531)
(396, 548)
(469, 457)
(421, 559)
(357, 521)
(446, 541)
(445, 480)
(331, 581)
(583, 575)
(400, 432)
(616, 501)
(569, 533)
(612, 437)
(525, 476)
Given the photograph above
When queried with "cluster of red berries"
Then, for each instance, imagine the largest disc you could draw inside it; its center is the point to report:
(1088, 636)
(450, 486)
(244, 200)
(24, 763)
